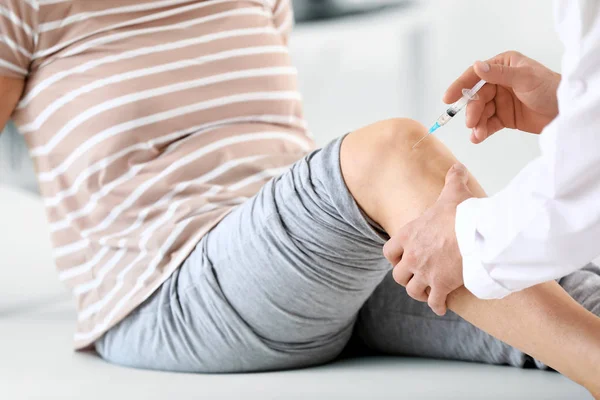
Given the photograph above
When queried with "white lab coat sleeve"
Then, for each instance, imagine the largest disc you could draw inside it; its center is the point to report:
(546, 223)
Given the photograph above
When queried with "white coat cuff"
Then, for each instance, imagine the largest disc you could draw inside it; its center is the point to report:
(476, 277)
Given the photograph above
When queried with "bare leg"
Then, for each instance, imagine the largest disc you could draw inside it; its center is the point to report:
(394, 184)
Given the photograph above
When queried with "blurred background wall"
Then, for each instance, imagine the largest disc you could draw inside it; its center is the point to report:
(360, 67)
(399, 61)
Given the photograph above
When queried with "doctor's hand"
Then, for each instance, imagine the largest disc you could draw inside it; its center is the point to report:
(520, 94)
(425, 253)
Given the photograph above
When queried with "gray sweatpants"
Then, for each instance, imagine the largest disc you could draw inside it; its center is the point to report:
(286, 279)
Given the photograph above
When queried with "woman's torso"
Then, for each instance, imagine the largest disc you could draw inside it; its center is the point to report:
(147, 122)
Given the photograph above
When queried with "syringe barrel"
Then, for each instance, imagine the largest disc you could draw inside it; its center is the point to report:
(468, 95)
(458, 105)
(476, 88)
(443, 119)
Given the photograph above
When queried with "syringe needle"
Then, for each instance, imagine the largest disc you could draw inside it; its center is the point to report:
(431, 130)
(420, 140)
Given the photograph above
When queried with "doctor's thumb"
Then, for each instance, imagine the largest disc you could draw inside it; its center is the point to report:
(498, 74)
(455, 188)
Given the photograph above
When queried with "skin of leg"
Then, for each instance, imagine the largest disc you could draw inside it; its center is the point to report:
(394, 184)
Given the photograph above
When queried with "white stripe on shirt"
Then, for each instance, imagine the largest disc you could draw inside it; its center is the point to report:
(137, 32)
(106, 162)
(84, 16)
(41, 86)
(16, 20)
(150, 119)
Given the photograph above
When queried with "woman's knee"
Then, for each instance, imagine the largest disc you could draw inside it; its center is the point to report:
(387, 177)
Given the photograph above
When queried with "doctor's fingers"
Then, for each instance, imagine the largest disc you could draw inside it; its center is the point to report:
(437, 301)
(489, 124)
(469, 78)
(402, 275)
(466, 80)
(475, 108)
(394, 248)
(416, 289)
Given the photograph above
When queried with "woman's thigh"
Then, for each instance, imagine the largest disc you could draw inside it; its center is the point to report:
(277, 284)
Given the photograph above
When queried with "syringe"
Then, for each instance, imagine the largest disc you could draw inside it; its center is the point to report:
(468, 95)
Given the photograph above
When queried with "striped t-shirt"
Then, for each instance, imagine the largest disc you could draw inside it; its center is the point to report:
(147, 121)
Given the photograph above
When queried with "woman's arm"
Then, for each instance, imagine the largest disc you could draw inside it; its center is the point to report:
(394, 184)
(11, 90)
